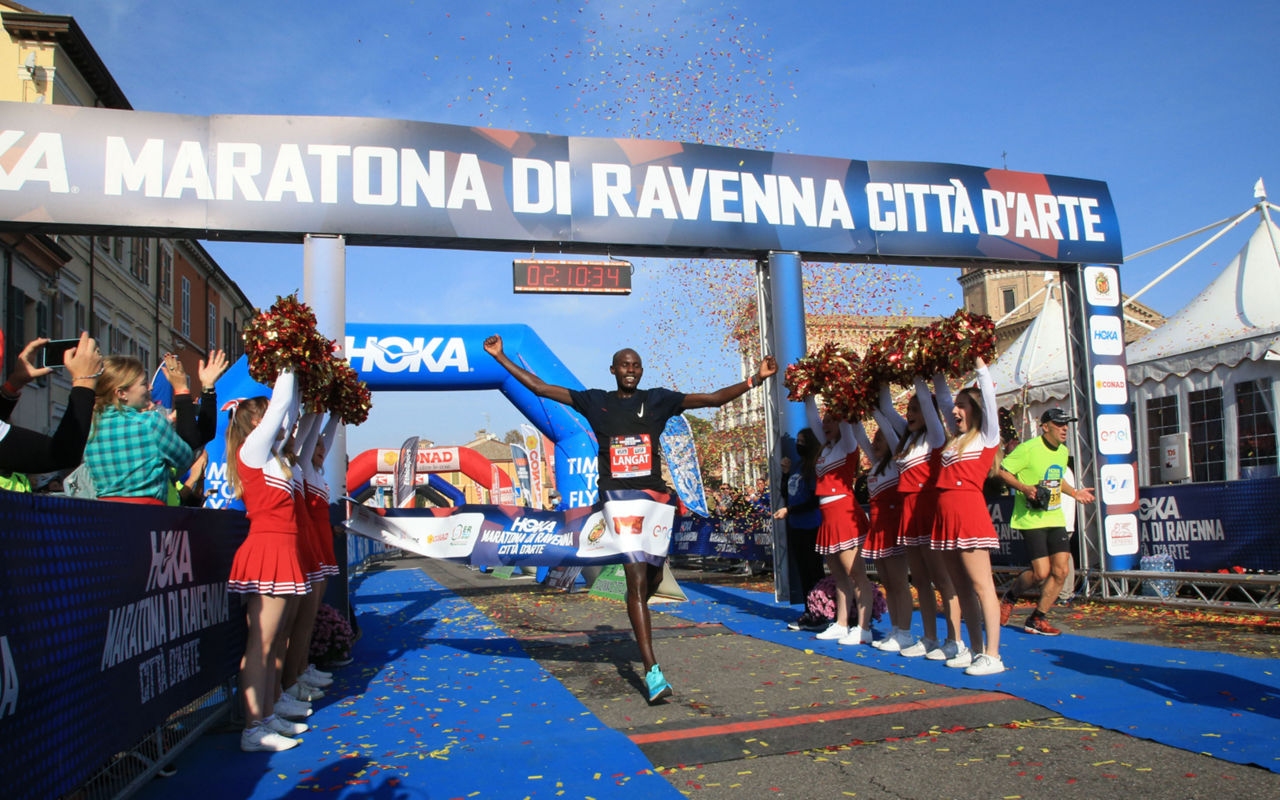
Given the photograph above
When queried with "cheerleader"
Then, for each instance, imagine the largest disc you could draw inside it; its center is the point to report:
(844, 525)
(883, 545)
(918, 456)
(305, 682)
(963, 531)
(266, 568)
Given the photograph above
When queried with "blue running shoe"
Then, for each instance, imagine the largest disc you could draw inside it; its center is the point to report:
(659, 689)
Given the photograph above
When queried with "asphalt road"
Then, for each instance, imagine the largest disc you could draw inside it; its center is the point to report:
(753, 719)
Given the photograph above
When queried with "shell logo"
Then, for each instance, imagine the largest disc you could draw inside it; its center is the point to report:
(390, 457)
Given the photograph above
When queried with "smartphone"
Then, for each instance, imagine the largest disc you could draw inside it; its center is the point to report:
(52, 352)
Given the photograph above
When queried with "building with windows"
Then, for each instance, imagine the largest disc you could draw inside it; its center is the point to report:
(1014, 297)
(136, 296)
(738, 426)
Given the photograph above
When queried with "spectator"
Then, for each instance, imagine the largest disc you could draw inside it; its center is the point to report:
(131, 451)
(24, 451)
(803, 518)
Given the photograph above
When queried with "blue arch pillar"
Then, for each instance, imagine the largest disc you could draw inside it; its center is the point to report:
(780, 288)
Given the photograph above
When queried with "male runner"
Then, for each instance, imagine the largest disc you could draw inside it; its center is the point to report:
(627, 423)
(1036, 470)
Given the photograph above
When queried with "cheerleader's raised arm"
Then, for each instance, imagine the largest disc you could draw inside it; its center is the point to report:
(892, 419)
(946, 403)
(991, 415)
(260, 444)
(934, 435)
(886, 427)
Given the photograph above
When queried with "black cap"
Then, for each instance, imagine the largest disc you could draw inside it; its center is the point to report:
(1057, 416)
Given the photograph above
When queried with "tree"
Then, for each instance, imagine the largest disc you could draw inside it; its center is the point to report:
(513, 436)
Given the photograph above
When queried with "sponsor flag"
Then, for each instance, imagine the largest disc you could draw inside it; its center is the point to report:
(682, 459)
(406, 470)
(520, 461)
(537, 462)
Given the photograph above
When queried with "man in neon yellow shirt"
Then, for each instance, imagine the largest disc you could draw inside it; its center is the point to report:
(1036, 470)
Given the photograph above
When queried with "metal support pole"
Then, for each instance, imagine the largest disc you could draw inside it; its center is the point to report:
(324, 289)
(781, 301)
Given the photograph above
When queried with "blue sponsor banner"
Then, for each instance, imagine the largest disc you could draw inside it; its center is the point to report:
(113, 617)
(681, 455)
(721, 538)
(1207, 527)
(382, 181)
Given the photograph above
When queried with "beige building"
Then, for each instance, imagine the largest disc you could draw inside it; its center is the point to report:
(743, 462)
(1013, 298)
(137, 296)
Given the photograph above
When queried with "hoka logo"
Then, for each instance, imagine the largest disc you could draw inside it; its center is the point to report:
(170, 559)
(1158, 508)
(398, 354)
(531, 525)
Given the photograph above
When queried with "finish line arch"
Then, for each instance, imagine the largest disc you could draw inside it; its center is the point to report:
(325, 181)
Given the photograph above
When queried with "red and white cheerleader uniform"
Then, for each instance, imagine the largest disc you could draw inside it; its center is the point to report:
(918, 468)
(886, 503)
(317, 492)
(963, 520)
(844, 524)
(267, 561)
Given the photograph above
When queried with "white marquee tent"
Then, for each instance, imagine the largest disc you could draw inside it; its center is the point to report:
(1212, 370)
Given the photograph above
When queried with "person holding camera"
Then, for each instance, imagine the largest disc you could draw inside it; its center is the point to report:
(24, 451)
(1036, 470)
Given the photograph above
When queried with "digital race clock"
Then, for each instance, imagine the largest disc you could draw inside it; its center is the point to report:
(572, 277)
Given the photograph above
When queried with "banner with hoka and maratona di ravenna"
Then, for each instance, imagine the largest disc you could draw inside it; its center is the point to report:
(634, 527)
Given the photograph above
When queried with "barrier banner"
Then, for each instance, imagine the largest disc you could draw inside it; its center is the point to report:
(1013, 551)
(1207, 527)
(681, 455)
(113, 617)
(721, 538)
(636, 528)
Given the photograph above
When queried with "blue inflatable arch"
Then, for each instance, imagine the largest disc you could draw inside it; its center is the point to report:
(443, 358)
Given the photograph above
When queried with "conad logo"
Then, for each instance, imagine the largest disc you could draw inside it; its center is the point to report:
(1110, 387)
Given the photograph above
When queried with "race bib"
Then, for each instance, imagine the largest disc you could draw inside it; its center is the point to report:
(630, 456)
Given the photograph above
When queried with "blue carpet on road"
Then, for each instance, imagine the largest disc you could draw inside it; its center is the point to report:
(439, 703)
(1222, 705)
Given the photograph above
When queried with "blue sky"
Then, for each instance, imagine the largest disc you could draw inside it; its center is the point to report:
(1172, 104)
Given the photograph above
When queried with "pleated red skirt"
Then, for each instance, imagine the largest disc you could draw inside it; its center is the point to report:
(963, 522)
(844, 526)
(267, 563)
(918, 509)
(884, 536)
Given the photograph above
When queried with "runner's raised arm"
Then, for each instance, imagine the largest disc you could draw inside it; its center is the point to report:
(493, 346)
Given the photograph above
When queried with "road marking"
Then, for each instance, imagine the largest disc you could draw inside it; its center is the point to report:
(822, 716)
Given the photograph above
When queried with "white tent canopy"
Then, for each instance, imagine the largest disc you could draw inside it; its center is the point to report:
(1235, 318)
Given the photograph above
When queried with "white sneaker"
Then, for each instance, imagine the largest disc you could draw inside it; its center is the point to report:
(886, 642)
(941, 652)
(286, 727)
(857, 635)
(962, 659)
(313, 677)
(984, 664)
(258, 738)
(292, 708)
(319, 673)
(301, 691)
(898, 642)
(921, 647)
(833, 631)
